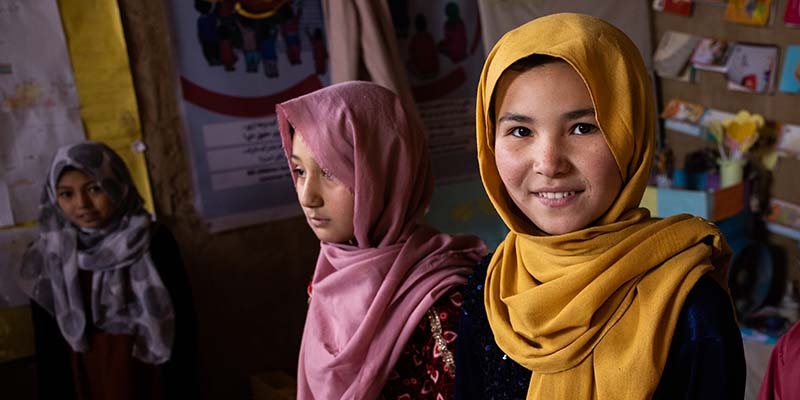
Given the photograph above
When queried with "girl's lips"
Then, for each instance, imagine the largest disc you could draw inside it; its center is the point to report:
(556, 199)
(318, 222)
(88, 217)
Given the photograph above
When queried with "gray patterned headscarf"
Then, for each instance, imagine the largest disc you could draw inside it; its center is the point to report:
(127, 295)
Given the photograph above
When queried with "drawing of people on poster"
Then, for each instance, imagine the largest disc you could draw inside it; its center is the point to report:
(443, 53)
(237, 59)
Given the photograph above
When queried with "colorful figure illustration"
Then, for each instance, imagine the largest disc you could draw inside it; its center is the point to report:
(269, 53)
(226, 45)
(207, 32)
(249, 43)
(423, 57)
(454, 44)
(319, 50)
(290, 29)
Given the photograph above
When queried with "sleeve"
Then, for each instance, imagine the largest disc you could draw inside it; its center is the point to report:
(483, 371)
(53, 368)
(179, 373)
(469, 370)
(780, 379)
(422, 371)
(706, 358)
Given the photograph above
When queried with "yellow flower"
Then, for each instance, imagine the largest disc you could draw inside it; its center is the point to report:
(743, 128)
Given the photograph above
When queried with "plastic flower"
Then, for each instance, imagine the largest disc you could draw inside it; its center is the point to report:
(735, 136)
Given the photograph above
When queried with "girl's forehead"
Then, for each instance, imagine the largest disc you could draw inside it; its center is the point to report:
(72, 175)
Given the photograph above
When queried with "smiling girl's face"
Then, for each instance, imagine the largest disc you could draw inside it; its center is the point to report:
(83, 200)
(326, 202)
(550, 153)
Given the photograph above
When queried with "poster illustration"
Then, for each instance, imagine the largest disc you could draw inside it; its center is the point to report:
(39, 107)
(440, 43)
(237, 60)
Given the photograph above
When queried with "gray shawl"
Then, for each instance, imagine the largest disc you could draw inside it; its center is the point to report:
(127, 294)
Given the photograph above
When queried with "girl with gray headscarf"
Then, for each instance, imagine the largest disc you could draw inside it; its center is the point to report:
(112, 308)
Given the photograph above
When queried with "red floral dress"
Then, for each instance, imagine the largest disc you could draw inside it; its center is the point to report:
(426, 369)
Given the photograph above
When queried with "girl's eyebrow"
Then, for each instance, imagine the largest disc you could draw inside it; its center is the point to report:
(568, 116)
(514, 117)
(88, 183)
(579, 113)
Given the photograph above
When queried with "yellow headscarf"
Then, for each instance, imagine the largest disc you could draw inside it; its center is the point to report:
(592, 312)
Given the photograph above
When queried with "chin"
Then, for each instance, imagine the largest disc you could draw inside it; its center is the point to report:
(560, 228)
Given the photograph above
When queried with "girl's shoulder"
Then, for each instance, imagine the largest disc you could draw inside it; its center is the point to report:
(708, 306)
(473, 290)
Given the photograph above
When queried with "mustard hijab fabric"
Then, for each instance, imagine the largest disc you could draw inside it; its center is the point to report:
(592, 312)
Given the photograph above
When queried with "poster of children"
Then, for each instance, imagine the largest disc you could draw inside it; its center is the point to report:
(441, 45)
(237, 60)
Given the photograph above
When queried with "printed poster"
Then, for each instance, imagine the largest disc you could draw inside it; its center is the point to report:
(237, 60)
(39, 107)
(440, 43)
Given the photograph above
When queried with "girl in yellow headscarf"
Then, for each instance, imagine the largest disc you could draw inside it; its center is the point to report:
(588, 297)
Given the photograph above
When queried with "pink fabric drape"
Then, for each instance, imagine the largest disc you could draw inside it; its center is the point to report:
(360, 33)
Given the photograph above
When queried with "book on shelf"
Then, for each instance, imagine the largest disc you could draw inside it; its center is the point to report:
(681, 110)
(784, 213)
(748, 12)
(680, 7)
(790, 72)
(791, 17)
(752, 68)
(789, 139)
(712, 54)
(673, 52)
(711, 115)
(683, 116)
(697, 128)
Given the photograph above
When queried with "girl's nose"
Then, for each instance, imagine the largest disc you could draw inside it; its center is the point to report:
(550, 158)
(84, 200)
(308, 193)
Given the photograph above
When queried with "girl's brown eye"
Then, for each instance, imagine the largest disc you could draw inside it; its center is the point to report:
(583, 129)
(521, 132)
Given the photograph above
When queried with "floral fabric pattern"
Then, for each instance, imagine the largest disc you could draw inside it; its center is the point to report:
(421, 372)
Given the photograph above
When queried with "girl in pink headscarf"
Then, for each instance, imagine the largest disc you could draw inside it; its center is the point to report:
(386, 290)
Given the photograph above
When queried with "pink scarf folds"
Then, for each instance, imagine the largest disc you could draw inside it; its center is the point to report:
(368, 297)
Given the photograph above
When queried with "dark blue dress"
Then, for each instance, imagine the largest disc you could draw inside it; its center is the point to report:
(706, 357)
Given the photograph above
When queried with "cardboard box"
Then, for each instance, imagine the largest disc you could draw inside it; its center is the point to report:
(712, 205)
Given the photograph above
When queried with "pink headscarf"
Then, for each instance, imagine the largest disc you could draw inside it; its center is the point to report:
(368, 298)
